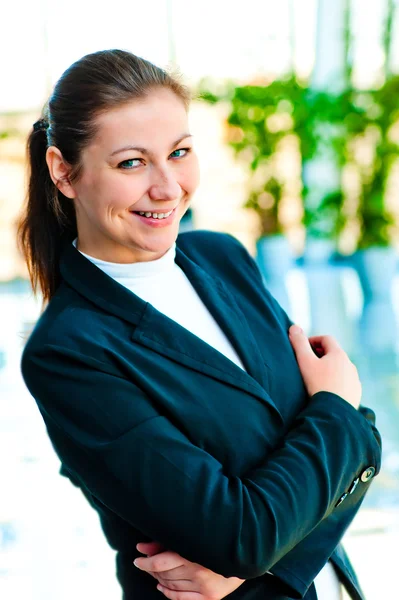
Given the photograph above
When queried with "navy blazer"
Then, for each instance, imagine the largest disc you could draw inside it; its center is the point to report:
(171, 441)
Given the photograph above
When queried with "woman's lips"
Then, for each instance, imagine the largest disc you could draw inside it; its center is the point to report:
(156, 222)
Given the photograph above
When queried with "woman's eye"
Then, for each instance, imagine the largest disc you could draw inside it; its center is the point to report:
(129, 163)
(185, 151)
(133, 163)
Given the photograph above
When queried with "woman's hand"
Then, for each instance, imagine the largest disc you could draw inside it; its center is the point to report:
(180, 579)
(330, 371)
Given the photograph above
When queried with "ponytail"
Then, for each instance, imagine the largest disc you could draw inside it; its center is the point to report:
(48, 220)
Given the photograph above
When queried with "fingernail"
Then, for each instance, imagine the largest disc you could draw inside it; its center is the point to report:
(295, 329)
(135, 564)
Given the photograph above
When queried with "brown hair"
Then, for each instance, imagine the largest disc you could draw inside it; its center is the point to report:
(95, 83)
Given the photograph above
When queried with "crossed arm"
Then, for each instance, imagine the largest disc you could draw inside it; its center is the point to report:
(178, 494)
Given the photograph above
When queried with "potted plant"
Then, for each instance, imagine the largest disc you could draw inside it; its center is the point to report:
(323, 149)
(376, 258)
(273, 252)
(321, 129)
(374, 127)
(260, 119)
(375, 262)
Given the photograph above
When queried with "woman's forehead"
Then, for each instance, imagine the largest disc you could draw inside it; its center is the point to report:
(160, 104)
(156, 118)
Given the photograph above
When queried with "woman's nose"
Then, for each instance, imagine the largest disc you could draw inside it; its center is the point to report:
(165, 187)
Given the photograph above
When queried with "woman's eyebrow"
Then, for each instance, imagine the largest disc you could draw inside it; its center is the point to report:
(148, 152)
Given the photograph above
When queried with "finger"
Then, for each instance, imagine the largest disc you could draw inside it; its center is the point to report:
(177, 573)
(178, 595)
(150, 548)
(327, 342)
(318, 351)
(180, 585)
(300, 342)
(163, 561)
(316, 347)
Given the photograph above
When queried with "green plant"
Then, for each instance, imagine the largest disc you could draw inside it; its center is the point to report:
(324, 126)
(261, 116)
(374, 117)
(265, 202)
(327, 220)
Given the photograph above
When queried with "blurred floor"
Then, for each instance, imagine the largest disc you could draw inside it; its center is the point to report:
(49, 553)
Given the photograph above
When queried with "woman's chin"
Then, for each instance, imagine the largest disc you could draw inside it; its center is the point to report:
(158, 247)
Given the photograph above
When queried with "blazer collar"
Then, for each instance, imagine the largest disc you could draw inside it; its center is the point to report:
(92, 283)
(163, 335)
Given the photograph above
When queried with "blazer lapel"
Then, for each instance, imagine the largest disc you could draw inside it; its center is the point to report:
(168, 338)
(97, 287)
(158, 332)
(221, 304)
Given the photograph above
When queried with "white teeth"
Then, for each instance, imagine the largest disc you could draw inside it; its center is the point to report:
(156, 215)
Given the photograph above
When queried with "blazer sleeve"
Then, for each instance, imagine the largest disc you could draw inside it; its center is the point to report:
(151, 474)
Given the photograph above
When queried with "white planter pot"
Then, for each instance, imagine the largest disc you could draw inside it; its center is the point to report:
(328, 313)
(376, 268)
(275, 259)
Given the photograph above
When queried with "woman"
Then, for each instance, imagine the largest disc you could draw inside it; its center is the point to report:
(202, 427)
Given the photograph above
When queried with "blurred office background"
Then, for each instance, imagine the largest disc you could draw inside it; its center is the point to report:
(296, 124)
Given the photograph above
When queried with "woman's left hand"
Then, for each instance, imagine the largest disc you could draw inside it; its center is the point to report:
(180, 579)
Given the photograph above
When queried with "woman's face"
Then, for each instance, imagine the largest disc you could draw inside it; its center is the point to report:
(141, 160)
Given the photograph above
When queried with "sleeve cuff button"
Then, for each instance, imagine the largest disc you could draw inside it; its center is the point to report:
(367, 474)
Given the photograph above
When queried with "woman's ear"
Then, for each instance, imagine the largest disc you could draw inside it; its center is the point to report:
(59, 171)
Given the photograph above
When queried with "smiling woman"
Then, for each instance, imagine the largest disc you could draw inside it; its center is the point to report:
(134, 164)
(110, 155)
(206, 431)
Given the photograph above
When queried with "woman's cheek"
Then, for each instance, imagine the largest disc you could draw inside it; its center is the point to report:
(124, 194)
(191, 177)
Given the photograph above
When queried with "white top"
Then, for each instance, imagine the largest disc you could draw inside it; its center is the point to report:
(162, 283)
